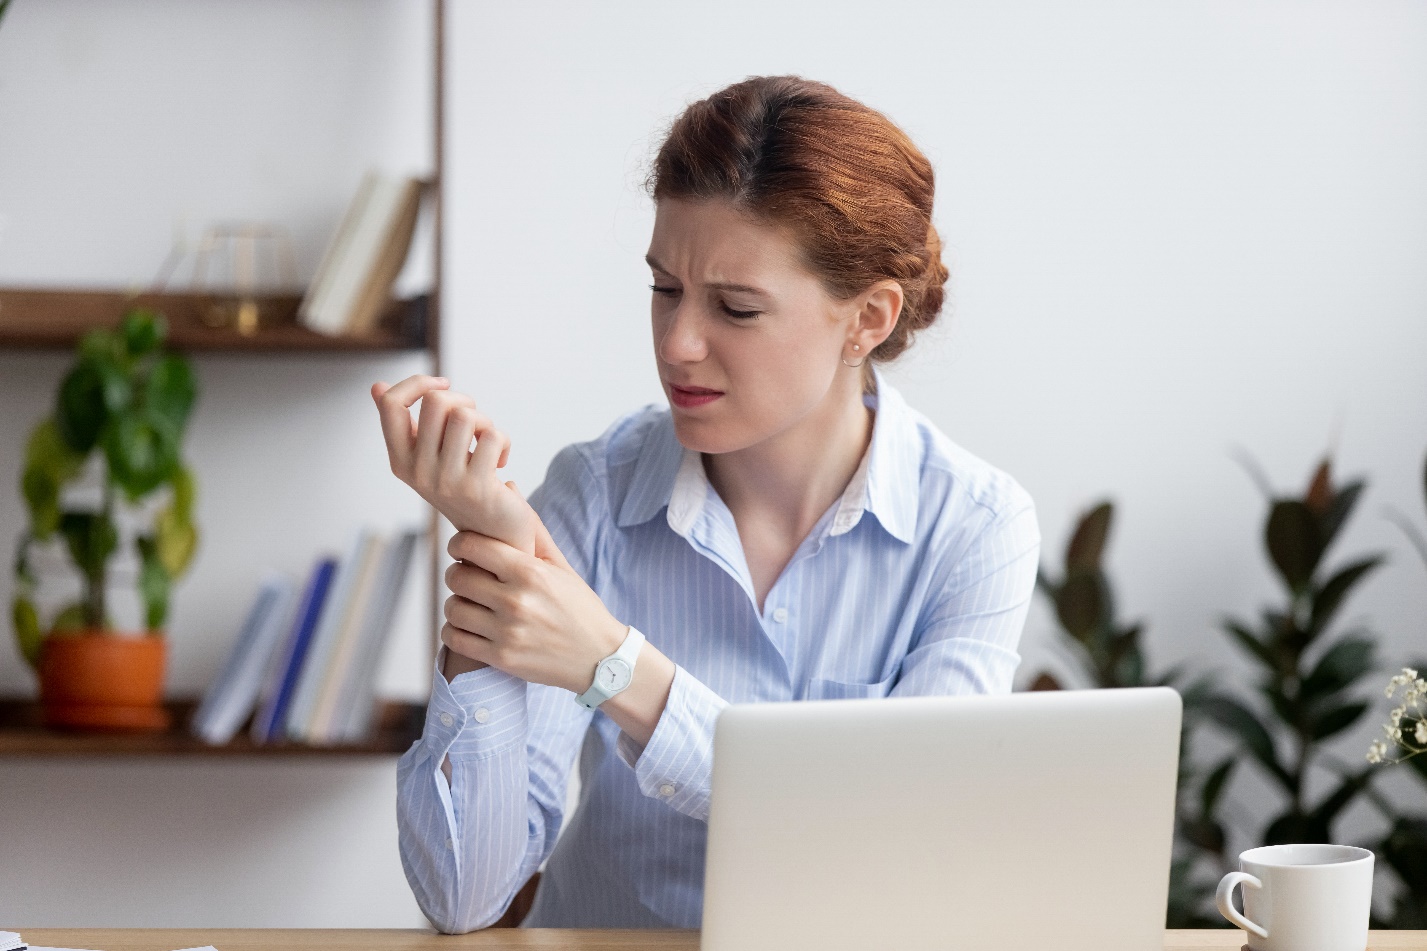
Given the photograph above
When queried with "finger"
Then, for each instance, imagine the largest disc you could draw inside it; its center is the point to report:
(436, 406)
(461, 426)
(473, 583)
(470, 616)
(394, 410)
(492, 446)
(466, 644)
(493, 555)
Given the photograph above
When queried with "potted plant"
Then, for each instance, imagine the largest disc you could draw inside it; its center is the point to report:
(126, 401)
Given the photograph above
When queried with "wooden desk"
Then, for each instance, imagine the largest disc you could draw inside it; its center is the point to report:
(509, 939)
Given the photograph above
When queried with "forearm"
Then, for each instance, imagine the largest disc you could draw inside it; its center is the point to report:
(638, 707)
(465, 843)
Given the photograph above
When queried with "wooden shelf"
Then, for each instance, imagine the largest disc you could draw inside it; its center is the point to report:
(55, 318)
(21, 734)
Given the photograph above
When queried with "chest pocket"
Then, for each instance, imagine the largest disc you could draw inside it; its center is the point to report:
(822, 689)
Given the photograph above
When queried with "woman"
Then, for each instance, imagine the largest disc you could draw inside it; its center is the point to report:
(788, 529)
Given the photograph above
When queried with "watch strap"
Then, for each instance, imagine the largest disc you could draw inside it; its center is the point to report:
(628, 652)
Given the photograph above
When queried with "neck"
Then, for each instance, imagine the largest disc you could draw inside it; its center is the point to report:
(791, 479)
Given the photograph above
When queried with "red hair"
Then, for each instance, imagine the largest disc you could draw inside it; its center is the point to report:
(853, 188)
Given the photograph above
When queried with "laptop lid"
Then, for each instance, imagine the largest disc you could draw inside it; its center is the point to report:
(1022, 821)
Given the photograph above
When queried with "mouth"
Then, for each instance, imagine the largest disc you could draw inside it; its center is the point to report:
(687, 397)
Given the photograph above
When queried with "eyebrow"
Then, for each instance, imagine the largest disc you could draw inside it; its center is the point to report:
(722, 286)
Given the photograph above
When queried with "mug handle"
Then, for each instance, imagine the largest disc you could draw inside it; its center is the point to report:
(1224, 898)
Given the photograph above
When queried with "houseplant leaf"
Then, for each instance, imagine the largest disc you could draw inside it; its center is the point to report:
(1335, 720)
(1088, 543)
(1244, 723)
(142, 331)
(1294, 541)
(153, 583)
(1335, 590)
(175, 539)
(142, 449)
(81, 411)
(169, 390)
(91, 537)
(27, 630)
(1342, 665)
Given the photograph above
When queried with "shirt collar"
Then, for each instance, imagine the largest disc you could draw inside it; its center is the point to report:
(886, 482)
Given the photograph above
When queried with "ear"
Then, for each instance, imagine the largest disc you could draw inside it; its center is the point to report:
(880, 306)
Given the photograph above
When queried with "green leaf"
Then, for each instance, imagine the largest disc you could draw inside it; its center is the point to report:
(1296, 827)
(1080, 605)
(142, 331)
(1341, 666)
(41, 494)
(1328, 810)
(170, 390)
(1335, 590)
(1244, 723)
(1087, 545)
(27, 630)
(1337, 515)
(185, 488)
(81, 412)
(175, 539)
(142, 449)
(1294, 541)
(91, 537)
(1336, 720)
(1214, 786)
(47, 450)
(1252, 644)
(71, 618)
(1404, 848)
(153, 583)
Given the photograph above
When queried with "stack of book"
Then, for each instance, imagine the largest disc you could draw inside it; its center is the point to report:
(304, 664)
(352, 286)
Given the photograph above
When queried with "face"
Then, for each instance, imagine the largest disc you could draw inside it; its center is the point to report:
(748, 342)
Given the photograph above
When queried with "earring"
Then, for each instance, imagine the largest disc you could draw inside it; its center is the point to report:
(858, 363)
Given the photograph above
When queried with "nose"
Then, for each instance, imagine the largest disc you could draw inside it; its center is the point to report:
(679, 335)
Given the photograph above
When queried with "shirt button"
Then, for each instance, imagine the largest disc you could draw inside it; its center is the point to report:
(780, 615)
(666, 790)
(482, 715)
(447, 719)
(450, 846)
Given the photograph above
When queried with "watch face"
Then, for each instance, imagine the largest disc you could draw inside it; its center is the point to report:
(614, 674)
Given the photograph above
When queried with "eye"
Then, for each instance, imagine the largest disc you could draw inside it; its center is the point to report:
(739, 314)
(666, 291)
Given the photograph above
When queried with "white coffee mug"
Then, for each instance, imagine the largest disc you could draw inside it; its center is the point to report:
(1302, 897)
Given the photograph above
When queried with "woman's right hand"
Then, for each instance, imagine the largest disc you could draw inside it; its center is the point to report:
(433, 456)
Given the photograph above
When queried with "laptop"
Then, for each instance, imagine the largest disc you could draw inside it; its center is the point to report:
(1015, 822)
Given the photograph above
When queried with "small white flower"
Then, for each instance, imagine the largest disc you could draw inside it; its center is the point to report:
(1409, 673)
(1421, 732)
(1396, 715)
(1376, 751)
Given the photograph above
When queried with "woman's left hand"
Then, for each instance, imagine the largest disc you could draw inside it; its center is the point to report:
(533, 617)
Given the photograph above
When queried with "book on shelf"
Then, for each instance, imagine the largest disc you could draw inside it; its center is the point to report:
(335, 614)
(282, 675)
(303, 665)
(232, 695)
(354, 278)
(346, 700)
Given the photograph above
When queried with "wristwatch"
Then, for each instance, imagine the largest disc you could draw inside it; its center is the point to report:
(615, 672)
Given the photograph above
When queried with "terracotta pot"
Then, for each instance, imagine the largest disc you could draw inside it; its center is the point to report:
(98, 680)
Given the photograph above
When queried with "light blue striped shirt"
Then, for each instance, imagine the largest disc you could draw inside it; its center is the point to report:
(916, 581)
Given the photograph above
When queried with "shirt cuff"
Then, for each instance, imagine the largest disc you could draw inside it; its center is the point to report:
(677, 764)
(478, 714)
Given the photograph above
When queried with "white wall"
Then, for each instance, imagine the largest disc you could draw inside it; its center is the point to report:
(1173, 227)
(126, 127)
